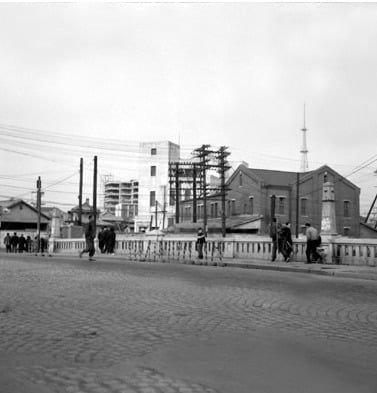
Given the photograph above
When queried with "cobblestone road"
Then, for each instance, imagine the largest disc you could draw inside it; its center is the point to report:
(73, 323)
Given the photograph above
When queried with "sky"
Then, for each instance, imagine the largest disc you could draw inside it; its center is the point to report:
(85, 79)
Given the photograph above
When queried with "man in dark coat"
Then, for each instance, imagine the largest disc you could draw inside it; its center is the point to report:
(111, 241)
(275, 237)
(200, 241)
(14, 242)
(101, 240)
(90, 234)
(8, 242)
(286, 242)
(21, 244)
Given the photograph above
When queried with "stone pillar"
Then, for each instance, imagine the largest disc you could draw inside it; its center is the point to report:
(55, 231)
(55, 225)
(328, 223)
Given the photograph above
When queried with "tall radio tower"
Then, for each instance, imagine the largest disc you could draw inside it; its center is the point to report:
(304, 149)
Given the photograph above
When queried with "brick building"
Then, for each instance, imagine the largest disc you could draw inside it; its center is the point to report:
(248, 201)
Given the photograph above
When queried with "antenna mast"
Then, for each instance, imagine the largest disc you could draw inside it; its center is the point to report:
(304, 149)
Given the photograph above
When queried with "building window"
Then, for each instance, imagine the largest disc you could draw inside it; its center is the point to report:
(346, 205)
(346, 231)
(281, 206)
(251, 205)
(229, 209)
(153, 170)
(200, 211)
(187, 214)
(240, 179)
(233, 212)
(304, 207)
(152, 198)
(153, 151)
(214, 208)
(187, 194)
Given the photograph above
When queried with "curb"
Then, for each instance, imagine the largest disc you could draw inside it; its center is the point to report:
(332, 271)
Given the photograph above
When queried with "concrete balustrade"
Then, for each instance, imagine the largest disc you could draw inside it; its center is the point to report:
(335, 251)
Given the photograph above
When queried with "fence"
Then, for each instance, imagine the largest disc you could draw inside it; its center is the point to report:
(216, 251)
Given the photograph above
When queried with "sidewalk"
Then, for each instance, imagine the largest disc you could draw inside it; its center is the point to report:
(345, 271)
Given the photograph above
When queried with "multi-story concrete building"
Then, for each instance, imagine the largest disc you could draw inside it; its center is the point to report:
(155, 209)
(121, 198)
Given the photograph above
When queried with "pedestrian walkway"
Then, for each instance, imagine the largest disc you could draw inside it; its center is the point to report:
(345, 271)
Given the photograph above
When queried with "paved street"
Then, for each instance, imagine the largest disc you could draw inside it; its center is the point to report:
(68, 325)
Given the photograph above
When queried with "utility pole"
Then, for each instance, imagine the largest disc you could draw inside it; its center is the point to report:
(297, 204)
(194, 198)
(39, 203)
(222, 155)
(80, 190)
(95, 193)
(202, 153)
(370, 210)
(155, 214)
(273, 199)
(177, 193)
(164, 211)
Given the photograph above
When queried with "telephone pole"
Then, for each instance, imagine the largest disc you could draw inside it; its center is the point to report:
(80, 190)
(95, 193)
(39, 203)
(177, 193)
(194, 196)
(223, 167)
(203, 154)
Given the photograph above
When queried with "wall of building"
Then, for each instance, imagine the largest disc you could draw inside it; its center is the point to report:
(156, 155)
(243, 185)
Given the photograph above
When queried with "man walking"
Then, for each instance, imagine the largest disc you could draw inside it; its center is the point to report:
(7, 242)
(90, 234)
(14, 242)
(275, 237)
(200, 241)
(312, 242)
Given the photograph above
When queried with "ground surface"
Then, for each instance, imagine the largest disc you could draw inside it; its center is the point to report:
(113, 326)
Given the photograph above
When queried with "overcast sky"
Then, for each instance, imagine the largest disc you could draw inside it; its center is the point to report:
(232, 74)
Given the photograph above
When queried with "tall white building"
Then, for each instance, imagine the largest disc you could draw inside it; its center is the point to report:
(154, 208)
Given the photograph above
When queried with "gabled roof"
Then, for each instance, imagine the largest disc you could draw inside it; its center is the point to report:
(266, 176)
(11, 203)
(325, 168)
(273, 177)
(283, 178)
(49, 210)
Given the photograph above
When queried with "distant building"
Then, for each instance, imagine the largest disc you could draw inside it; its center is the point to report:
(248, 201)
(155, 209)
(121, 198)
(86, 211)
(18, 215)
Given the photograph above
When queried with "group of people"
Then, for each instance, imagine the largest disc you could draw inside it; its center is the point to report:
(20, 244)
(282, 242)
(106, 240)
